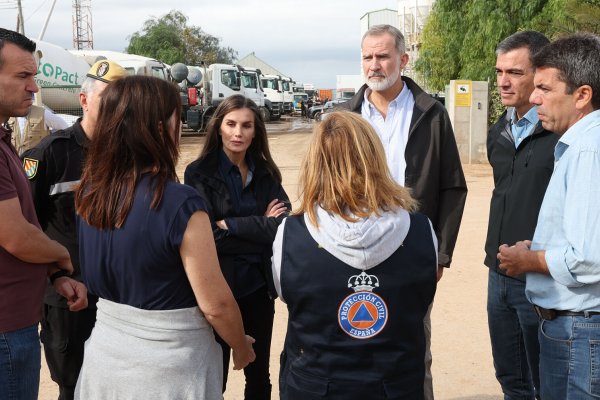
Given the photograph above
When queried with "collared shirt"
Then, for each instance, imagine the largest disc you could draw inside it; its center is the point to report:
(524, 127)
(393, 129)
(242, 197)
(243, 200)
(568, 224)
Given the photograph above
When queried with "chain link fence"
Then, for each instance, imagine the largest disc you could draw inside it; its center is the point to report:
(63, 100)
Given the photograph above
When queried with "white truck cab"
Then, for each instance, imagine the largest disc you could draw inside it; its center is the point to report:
(223, 80)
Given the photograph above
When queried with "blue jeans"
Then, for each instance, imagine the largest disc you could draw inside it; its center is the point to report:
(570, 358)
(513, 326)
(20, 364)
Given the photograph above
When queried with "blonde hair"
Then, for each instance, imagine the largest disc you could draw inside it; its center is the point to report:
(345, 172)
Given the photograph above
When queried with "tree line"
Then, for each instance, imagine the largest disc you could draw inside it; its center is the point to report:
(460, 36)
(171, 39)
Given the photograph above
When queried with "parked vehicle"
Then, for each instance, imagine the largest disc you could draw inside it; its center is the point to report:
(253, 89)
(133, 64)
(316, 112)
(279, 91)
(59, 77)
(325, 95)
(223, 80)
(298, 97)
(288, 95)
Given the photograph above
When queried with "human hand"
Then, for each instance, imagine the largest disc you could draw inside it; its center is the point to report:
(513, 259)
(74, 291)
(440, 271)
(221, 224)
(276, 208)
(526, 243)
(244, 356)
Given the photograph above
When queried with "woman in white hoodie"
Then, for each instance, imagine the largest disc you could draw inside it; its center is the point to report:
(356, 266)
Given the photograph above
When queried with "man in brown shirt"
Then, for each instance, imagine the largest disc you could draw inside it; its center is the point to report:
(27, 255)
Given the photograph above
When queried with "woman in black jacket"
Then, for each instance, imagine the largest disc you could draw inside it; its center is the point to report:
(241, 185)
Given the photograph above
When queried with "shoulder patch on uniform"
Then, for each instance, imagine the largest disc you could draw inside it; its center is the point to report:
(31, 167)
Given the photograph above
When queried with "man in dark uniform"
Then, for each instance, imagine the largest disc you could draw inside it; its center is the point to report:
(54, 168)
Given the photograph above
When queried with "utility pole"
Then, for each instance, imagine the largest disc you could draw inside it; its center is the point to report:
(83, 37)
(43, 31)
(20, 23)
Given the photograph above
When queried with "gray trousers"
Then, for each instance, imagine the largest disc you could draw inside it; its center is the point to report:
(428, 384)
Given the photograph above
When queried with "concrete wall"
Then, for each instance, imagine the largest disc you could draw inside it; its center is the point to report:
(469, 121)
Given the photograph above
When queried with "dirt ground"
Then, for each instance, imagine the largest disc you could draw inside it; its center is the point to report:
(462, 362)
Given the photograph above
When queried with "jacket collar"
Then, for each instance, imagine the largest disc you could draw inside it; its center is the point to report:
(507, 133)
(423, 101)
(80, 135)
(208, 167)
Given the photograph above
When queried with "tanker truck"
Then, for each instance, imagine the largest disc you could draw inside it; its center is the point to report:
(59, 77)
(279, 91)
(61, 72)
(133, 64)
(223, 80)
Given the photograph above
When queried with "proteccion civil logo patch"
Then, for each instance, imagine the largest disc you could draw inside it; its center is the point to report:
(31, 167)
(362, 314)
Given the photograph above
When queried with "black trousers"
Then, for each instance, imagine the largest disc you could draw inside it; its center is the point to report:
(257, 311)
(63, 333)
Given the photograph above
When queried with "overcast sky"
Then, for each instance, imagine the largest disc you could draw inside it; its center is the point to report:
(310, 40)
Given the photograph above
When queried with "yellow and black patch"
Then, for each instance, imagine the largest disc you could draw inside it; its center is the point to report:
(31, 167)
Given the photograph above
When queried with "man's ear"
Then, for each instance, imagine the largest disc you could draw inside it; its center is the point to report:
(403, 60)
(583, 98)
(83, 101)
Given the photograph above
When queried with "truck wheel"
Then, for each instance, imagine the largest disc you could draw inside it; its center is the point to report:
(265, 114)
(318, 116)
(205, 119)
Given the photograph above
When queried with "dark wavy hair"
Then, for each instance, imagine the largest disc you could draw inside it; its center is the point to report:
(576, 59)
(132, 137)
(259, 148)
(8, 36)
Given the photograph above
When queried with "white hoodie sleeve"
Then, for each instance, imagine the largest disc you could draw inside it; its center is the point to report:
(435, 243)
(276, 258)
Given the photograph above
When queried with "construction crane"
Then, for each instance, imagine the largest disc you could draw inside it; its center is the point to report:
(83, 37)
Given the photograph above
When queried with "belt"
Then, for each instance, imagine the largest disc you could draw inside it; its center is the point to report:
(549, 315)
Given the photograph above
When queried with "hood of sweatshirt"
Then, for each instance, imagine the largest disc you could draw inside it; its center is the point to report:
(363, 244)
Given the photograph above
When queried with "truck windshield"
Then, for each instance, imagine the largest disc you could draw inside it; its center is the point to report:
(158, 72)
(229, 79)
(269, 84)
(300, 97)
(249, 81)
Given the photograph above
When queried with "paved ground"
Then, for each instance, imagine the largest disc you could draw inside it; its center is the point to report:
(462, 364)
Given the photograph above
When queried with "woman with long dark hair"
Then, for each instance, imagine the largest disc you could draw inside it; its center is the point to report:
(236, 176)
(147, 252)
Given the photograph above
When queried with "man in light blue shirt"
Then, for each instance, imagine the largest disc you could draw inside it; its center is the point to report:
(563, 261)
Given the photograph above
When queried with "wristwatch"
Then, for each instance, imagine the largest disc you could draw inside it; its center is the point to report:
(58, 274)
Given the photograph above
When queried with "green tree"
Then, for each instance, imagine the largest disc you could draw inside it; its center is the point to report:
(439, 55)
(488, 24)
(460, 37)
(171, 40)
(561, 17)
